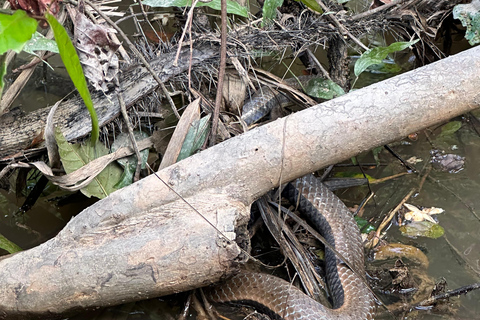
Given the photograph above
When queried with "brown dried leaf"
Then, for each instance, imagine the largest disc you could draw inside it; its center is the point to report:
(191, 113)
(96, 51)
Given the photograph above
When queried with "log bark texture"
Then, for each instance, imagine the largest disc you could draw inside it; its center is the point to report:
(143, 241)
(17, 134)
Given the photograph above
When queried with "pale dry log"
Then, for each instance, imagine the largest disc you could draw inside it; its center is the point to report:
(143, 241)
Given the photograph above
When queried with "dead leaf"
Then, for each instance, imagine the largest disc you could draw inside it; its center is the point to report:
(415, 214)
(191, 113)
(96, 50)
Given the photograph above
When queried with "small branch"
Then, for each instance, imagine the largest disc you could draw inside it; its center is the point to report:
(373, 11)
(446, 295)
(123, 108)
(221, 73)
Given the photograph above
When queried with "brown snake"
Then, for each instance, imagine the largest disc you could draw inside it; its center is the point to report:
(351, 298)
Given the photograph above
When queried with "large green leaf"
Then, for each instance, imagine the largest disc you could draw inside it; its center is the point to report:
(8, 245)
(232, 6)
(39, 43)
(75, 156)
(376, 55)
(269, 10)
(323, 89)
(74, 68)
(15, 30)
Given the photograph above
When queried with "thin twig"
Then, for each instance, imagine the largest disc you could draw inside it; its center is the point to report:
(318, 64)
(188, 26)
(123, 108)
(373, 11)
(446, 295)
(139, 55)
(221, 72)
(388, 218)
(340, 26)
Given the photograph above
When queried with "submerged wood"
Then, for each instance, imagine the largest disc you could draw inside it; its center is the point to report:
(143, 241)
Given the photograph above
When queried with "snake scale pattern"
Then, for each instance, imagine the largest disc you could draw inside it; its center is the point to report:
(352, 300)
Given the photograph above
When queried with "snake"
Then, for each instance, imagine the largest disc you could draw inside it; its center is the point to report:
(278, 298)
(267, 98)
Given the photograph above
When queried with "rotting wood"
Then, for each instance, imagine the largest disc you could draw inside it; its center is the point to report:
(72, 115)
(142, 241)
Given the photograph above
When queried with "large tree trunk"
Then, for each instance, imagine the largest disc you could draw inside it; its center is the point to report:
(144, 241)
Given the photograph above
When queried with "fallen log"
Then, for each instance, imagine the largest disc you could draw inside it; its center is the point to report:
(17, 134)
(144, 241)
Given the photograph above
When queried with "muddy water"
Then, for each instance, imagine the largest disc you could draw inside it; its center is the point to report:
(456, 255)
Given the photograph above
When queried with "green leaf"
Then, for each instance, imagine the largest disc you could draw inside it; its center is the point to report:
(364, 225)
(232, 6)
(422, 229)
(75, 156)
(269, 10)
(450, 128)
(129, 164)
(196, 136)
(323, 89)
(376, 55)
(8, 245)
(469, 16)
(384, 68)
(312, 4)
(74, 68)
(39, 43)
(15, 30)
(354, 175)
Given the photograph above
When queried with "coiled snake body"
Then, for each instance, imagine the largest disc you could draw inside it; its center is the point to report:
(351, 298)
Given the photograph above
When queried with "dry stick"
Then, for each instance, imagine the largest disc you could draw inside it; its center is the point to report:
(188, 26)
(34, 62)
(446, 295)
(123, 108)
(148, 21)
(186, 308)
(381, 180)
(139, 55)
(373, 11)
(319, 65)
(388, 218)
(343, 30)
(221, 72)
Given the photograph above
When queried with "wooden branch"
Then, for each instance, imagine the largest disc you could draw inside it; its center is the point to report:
(72, 116)
(143, 241)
